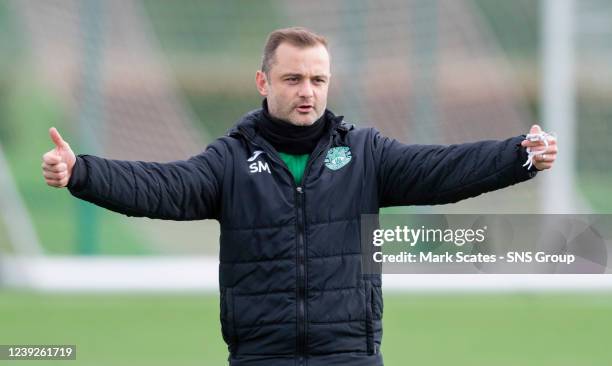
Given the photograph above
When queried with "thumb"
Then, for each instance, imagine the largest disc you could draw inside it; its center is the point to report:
(57, 138)
(535, 129)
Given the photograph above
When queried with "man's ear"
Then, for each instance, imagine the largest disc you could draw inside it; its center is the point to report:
(262, 83)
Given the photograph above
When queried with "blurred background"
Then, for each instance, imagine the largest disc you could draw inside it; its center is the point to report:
(159, 80)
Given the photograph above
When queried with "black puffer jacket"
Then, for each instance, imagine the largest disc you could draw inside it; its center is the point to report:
(292, 291)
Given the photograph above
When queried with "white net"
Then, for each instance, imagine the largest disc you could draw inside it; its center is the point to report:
(424, 72)
(156, 80)
(593, 42)
(104, 59)
(102, 62)
(421, 71)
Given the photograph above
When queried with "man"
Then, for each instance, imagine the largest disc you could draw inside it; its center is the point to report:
(288, 185)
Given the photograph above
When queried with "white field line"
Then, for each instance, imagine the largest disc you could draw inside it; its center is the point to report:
(194, 274)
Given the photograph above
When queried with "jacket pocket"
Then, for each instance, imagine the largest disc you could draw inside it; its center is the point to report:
(369, 295)
(228, 326)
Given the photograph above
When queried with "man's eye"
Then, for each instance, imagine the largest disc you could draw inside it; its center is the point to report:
(320, 81)
(292, 80)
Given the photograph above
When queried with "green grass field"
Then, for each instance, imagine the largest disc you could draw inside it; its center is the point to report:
(492, 329)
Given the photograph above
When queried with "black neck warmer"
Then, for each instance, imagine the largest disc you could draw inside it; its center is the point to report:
(289, 138)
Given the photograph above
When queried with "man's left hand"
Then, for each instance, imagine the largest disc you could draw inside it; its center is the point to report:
(544, 156)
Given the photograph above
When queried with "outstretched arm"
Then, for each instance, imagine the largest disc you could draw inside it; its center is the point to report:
(181, 190)
(435, 174)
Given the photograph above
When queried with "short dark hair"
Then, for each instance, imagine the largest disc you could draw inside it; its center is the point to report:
(296, 36)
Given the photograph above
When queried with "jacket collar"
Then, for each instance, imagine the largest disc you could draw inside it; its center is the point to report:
(246, 125)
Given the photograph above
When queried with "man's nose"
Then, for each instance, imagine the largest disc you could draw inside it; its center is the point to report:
(305, 90)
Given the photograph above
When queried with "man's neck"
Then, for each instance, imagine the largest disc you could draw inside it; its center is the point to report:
(287, 137)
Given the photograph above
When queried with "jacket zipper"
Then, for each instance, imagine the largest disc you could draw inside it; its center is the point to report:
(301, 231)
(301, 280)
(301, 216)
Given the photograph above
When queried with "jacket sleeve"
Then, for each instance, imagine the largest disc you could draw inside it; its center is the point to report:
(436, 174)
(180, 190)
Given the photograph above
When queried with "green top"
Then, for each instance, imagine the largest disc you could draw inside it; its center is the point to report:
(296, 165)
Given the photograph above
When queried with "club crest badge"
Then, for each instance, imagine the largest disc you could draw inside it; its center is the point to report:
(337, 157)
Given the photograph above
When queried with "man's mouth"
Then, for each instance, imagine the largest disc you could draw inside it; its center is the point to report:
(304, 108)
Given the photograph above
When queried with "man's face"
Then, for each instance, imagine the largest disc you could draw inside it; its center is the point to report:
(296, 84)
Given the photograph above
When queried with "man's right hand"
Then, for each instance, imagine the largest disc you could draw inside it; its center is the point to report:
(58, 163)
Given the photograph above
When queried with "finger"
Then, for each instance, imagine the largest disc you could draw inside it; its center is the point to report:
(55, 176)
(53, 182)
(52, 158)
(550, 140)
(544, 157)
(551, 150)
(544, 150)
(57, 138)
(527, 143)
(56, 168)
(535, 129)
(63, 182)
(543, 166)
(547, 158)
